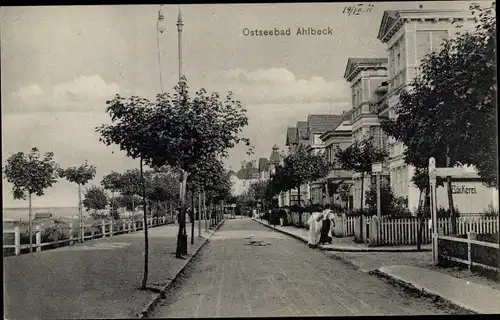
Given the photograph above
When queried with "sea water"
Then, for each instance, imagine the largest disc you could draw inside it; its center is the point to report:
(22, 213)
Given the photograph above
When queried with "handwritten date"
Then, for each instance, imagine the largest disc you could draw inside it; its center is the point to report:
(355, 10)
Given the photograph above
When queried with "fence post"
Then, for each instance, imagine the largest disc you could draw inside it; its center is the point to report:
(38, 239)
(103, 226)
(373, 236)
(71, 233)
(92, 233)
(344, 225)
(471, 235)
(17, 240)
(111, 228)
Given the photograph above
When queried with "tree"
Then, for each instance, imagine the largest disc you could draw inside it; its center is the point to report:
(30, 175)
(258, 190)
(208, 175)
(303, 167)
(131, 184)
(449, 111)
(175, 130)
(162, 186)
(390, 204)
(79, 175)
(127, 201)
(95, 199)
(112, 182)
(332, 188)
(280, 181)
(359, 157)
(344, 191)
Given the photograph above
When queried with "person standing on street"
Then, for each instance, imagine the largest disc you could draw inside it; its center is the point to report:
(326, 225)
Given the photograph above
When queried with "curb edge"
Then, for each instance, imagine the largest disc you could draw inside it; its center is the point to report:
(341, 249)
(149, 307)
(397, 281)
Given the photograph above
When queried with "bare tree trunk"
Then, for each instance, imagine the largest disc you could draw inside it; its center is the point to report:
(450, 195)
(199, 214)
(300, 212)
(133, 209)
(420, 214)
(362, 206)
(205, 211)
(181, 239)
(30, 221)
(146, 242)
(80, 214)
(192, 216)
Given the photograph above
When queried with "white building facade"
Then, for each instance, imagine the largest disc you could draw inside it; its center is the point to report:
(409, 36)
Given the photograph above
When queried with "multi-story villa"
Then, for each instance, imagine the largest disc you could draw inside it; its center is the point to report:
(340, 137)
(365, 76)
(410, 35)
(375, 85)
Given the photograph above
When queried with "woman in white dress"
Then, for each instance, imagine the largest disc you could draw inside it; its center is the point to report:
(315, 223)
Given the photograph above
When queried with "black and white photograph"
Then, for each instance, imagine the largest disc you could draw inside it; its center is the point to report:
(220, 160)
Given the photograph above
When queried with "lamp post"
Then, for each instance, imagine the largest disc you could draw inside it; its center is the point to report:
(182, 235)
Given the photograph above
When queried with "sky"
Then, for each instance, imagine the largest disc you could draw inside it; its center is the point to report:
(59, 65)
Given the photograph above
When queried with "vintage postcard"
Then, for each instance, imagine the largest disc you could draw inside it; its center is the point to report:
(250, 160)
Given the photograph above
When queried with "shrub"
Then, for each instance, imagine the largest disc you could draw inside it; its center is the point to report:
(113, 213)
(359, 212)
(446, 213)
(490, 212)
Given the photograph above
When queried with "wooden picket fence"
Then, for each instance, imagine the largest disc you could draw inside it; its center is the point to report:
(106, 229)
(405, 231)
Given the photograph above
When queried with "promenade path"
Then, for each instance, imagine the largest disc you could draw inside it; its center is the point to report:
(249, 270)
(97, 279)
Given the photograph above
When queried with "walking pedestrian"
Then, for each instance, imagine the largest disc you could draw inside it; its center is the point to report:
(327, 222)
(314, 222)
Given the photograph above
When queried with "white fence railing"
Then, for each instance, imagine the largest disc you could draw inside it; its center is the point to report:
(405, 231)
(402, 231)
(105, 229)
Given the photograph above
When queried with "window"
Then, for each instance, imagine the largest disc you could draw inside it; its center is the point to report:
(437, 39)
(429, 40)
(397, 67)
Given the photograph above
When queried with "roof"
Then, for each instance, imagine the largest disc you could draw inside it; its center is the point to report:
(302, 129)
(392, 20)
(291, 135)
(319, 123)
(354, 63)
(388, 19)
(263, 164)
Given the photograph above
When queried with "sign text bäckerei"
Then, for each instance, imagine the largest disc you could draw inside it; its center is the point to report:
(463, 189)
